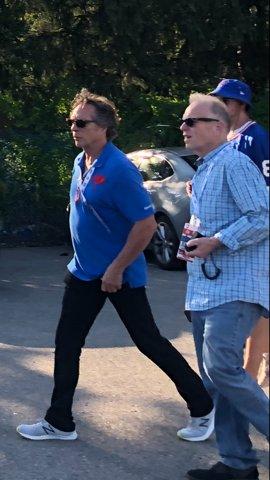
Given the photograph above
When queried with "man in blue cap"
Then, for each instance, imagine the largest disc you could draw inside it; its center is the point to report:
(252, 139)
(247, 135)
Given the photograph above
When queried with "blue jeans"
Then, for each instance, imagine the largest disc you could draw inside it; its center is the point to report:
(220, 334)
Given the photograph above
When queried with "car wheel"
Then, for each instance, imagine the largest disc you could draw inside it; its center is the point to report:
(165, 245)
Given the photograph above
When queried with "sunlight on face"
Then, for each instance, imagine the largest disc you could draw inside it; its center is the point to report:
(203, 136)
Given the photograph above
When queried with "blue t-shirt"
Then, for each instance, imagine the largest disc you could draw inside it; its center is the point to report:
(103, 210)
(254, 142)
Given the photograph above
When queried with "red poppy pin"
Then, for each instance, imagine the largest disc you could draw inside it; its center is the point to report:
(98, 179)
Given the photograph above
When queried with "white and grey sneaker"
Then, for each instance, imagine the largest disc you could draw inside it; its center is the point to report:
(198, 429)
(44, 431)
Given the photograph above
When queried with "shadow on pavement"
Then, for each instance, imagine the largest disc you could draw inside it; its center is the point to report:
(31, 289)
(127, 410)
(126, 434)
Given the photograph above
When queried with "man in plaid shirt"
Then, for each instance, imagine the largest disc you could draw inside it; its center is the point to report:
(228, 282)
(249, 137)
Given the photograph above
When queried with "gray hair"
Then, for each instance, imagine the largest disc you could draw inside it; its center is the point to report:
(216, 106)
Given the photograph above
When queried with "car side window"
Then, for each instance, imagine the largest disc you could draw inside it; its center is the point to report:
(155, 168)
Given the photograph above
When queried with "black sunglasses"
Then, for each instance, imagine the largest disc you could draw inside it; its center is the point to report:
(79, 123)
(191, 122)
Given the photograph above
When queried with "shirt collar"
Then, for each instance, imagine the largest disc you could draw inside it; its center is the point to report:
(210, 155)
(103, 156)
(244, 127)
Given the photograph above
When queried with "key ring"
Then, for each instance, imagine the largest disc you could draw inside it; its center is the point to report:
(217, 269)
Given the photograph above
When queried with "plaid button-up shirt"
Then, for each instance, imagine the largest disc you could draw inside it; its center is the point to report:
(230, 198)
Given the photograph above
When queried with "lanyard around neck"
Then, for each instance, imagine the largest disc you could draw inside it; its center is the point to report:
(84, 179)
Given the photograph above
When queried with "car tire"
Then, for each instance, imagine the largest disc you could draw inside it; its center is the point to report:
(165, 244)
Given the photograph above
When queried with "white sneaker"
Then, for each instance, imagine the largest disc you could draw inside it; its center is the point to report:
(199, 428)
(44, 431)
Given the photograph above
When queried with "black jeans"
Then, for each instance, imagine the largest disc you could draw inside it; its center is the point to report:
(81, 304)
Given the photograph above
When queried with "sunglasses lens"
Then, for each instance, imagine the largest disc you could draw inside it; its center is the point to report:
(190, 122)
(80, 123)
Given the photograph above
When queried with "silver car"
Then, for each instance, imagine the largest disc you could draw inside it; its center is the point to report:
(165, 172)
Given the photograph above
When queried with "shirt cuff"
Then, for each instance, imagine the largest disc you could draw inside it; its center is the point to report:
(227, 240)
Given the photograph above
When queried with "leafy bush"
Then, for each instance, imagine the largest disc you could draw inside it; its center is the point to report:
(35, 168)
(35, 174)
(150, 121)
(260, 108)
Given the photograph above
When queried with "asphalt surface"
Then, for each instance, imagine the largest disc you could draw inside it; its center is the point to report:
(127, 410)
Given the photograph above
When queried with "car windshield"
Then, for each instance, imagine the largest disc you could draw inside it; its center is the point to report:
(154, 167)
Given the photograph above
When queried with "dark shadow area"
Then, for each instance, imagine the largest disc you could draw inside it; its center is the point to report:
(127, 411)
(31, 289)
(139, 444)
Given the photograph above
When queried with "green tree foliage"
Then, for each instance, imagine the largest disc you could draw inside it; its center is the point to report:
(146, 55)
(51, 48)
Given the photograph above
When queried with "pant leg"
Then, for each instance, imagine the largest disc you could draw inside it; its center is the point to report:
(239, 400)
(198, 325)
(134, 310)
(238, 429)
(82, 302)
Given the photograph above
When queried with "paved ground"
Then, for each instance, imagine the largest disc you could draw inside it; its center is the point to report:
(127, 410)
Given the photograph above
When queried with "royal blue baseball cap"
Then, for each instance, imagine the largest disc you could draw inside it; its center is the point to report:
(235, 89)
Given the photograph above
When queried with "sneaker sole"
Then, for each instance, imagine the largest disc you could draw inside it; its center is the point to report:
(74, 436)
(195, 439)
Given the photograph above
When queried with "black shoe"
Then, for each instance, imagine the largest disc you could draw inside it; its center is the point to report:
(223, 472)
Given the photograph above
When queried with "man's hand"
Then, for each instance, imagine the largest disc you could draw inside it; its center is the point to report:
(189, 188)
(204, 246)
(112, 280)
(138, 238)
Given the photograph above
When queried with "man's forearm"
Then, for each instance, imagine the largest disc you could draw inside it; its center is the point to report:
(247, 230)
(138, 239)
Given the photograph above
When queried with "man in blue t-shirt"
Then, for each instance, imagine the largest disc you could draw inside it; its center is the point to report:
(111, 223)
(249, 137)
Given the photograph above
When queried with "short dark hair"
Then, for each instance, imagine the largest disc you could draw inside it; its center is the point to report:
(106, 113)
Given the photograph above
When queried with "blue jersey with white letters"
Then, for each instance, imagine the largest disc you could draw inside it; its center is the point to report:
(254, 142)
